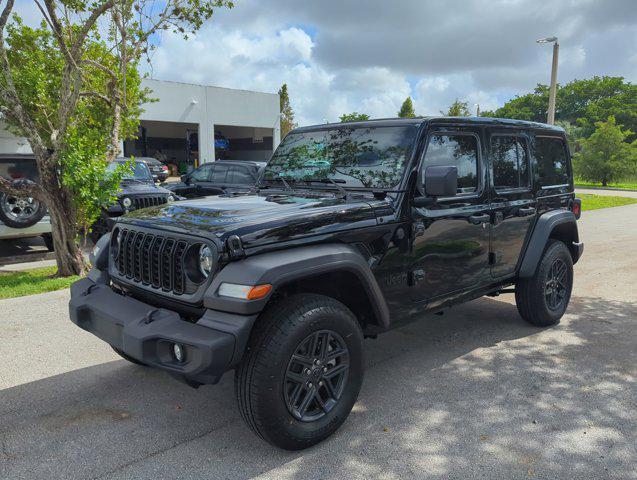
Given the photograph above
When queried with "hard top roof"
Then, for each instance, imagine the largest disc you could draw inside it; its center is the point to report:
(418, 121)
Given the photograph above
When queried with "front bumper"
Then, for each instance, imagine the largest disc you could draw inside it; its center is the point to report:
(213, 345)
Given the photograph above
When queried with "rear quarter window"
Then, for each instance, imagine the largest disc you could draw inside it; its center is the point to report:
(552, 163)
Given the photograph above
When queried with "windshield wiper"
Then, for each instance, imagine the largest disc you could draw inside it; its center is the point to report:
(283, 181)
(329, 180)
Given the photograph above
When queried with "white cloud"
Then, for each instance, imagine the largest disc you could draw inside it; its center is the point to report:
(337, 57)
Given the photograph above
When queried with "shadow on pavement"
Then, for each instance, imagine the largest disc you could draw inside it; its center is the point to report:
(476, 392)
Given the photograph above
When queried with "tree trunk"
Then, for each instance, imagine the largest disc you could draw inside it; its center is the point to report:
(604, 182)
(68, 254)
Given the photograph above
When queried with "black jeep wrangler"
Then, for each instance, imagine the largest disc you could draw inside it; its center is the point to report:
(353, 229)
(137, 190)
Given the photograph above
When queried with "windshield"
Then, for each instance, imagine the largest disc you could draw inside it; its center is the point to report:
(138, 171)
(369, 157)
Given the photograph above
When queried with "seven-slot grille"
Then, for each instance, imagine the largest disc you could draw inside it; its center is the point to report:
(153, 260)
(143, 202)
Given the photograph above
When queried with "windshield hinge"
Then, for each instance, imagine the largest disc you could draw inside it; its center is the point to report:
(235, 247)
(379, 194)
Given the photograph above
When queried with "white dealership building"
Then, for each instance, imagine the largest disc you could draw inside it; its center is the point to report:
(190, 124)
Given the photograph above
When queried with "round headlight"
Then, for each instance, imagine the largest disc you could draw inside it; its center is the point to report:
(126, 202)
(171, 198)
(206, 260)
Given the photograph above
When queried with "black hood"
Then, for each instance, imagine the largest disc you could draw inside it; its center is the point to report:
(259, 218)
(146, 188)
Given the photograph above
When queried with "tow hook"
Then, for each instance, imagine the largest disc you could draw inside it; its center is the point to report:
(149, 316)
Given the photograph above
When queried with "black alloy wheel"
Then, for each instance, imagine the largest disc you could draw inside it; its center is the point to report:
(316, 375)
(555, 289)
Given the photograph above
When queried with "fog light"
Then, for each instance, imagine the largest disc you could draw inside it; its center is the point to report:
(179, 352)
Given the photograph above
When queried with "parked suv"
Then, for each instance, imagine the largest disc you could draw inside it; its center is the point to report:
(137, 190)
(22, 217)
(215, 178)
(158, 170)
(355, 229)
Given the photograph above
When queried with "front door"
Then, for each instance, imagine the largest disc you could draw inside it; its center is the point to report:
(451, 238)
(215, 181)
(513, 206)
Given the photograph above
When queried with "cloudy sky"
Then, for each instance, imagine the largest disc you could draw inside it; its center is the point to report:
(340, 56)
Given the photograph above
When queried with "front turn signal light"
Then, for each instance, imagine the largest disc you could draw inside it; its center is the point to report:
(244, 292)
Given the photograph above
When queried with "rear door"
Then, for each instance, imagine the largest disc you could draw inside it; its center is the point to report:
(451, 238)
(513, 205)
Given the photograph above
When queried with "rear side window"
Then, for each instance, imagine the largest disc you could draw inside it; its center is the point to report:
(455, 150)
(240, 175)
(510, 162)
(552, 165)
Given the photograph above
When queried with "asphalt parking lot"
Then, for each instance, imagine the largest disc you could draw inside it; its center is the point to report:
(475, 393)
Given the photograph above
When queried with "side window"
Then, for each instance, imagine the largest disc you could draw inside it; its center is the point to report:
(202, 174)
(552, 165)
(510, 162)
(219, 174)
(240, 175)
(459, 150)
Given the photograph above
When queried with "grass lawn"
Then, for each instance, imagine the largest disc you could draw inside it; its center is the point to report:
(30, 282)
(593, 202)
(630, 184)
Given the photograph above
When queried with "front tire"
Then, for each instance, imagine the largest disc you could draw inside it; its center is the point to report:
(302, 371)
(543, 298)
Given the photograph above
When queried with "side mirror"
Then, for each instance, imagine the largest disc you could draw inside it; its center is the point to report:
(439, 181)
(184, 179)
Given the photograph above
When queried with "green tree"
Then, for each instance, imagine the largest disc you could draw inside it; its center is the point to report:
(74, 93)
(457, 109)
(606, 156)
(354, 117)
(407, 109)
(287, 114)
(580, 102)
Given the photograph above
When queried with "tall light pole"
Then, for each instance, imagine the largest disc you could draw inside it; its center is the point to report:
(550, 117)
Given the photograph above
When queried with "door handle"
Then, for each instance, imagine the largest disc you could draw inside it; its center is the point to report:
(480, 218)
(524, 212)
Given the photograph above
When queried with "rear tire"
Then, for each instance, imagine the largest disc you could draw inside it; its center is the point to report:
(543, 298)
(297, 347)
(128, 357)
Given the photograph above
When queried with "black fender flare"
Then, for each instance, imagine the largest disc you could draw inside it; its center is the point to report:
(282, 267)
(545, 225)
